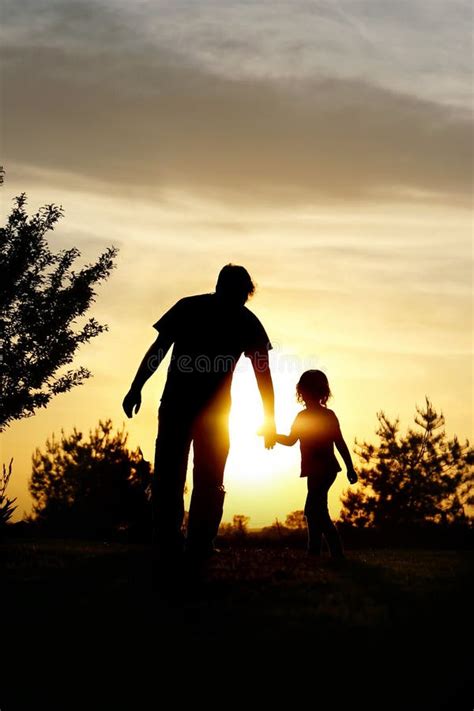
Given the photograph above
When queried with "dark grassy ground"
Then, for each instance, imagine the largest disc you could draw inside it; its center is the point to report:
(87, 626)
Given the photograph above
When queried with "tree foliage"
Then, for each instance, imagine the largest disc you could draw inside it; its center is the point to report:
(41, 299)
(7, 506)
(419, 478)
(91, 486)
(296, 521)
(238, 527)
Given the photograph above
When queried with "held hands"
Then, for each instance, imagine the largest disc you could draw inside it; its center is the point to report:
(352, 476)
(132, 401)
(268, 432)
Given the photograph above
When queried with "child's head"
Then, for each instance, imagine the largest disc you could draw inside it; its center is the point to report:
(313, 387)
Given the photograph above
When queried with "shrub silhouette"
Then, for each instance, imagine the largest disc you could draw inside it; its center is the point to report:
(91, 486)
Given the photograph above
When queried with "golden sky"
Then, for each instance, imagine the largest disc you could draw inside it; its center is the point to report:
(324, 145)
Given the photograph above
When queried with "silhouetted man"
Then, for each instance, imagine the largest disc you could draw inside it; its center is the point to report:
(210, 332)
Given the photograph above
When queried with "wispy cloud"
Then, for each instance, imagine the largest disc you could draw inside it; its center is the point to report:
(291, 101)
(151, 123)
(410, 46)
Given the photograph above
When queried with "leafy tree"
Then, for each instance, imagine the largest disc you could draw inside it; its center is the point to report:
(295, 521)
(276, 527)
(420, 478)
(91, 486)
(240, 524)
(238, 527)
(41, 298)
(7, 507)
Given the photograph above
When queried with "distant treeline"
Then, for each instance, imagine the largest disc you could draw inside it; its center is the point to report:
(435, 536)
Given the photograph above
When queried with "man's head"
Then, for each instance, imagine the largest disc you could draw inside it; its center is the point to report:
(234, 284)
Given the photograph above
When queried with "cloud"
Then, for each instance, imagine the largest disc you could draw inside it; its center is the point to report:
(410, 46)
(87, 92)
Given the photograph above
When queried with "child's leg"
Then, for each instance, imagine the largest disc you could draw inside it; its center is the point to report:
(332, 537)
(313, 522)
(330, 531)
(318, 518)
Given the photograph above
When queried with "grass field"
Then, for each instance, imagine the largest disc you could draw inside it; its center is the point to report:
(389, 629)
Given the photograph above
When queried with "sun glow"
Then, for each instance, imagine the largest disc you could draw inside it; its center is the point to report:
(249, 462)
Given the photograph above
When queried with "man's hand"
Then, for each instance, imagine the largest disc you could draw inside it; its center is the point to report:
(352, 476)
(132, 401)
(269, 434)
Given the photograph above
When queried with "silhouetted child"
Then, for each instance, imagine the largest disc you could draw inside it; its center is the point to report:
(317, 429)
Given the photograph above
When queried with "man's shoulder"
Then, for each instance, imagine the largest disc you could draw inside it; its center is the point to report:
(195, 301)
(249, 316)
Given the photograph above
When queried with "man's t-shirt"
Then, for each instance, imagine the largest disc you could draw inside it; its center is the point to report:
(317, 430)
(209, 339)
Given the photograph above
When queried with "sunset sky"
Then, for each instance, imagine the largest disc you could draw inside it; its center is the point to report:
(325, 145)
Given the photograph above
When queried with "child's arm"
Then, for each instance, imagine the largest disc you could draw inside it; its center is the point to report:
(288, 440)
(292, 438)
(343, 450)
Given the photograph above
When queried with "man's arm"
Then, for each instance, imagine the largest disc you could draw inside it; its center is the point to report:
(151, 360)
(261, 367)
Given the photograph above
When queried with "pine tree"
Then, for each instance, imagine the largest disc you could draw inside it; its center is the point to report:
(420, 478)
